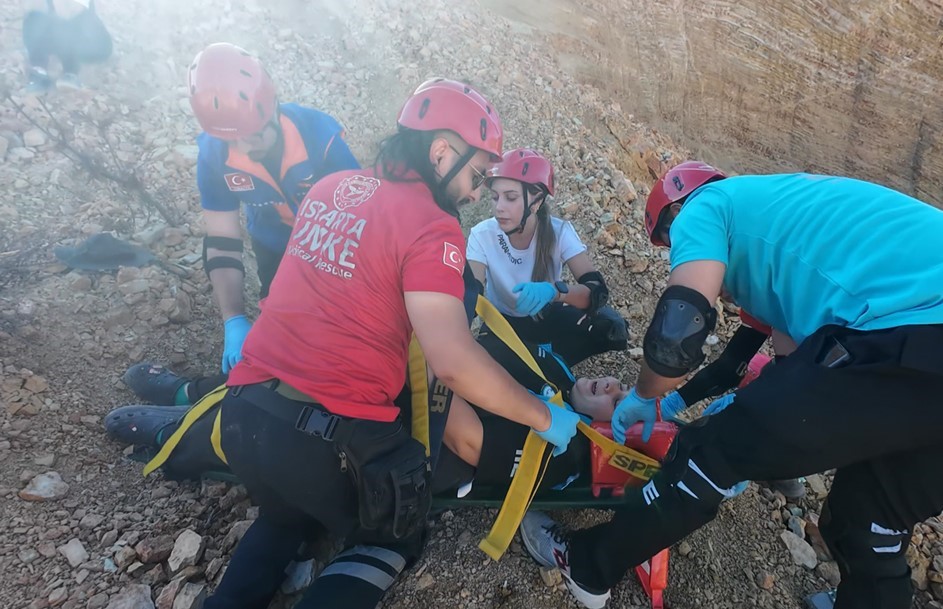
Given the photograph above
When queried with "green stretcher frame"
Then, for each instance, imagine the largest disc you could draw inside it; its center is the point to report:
(577, 496)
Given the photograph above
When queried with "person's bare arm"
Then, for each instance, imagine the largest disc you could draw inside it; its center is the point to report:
(783, 344)
(479, 270)
(704, 276)
(464, 366)
(228, 284)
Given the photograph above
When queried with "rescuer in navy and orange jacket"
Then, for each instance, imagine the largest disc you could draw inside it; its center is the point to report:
(258, 153)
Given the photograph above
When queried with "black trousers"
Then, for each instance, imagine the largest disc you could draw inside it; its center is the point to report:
(573, 334)
(302, 492)
(876, 417)
(267, 261)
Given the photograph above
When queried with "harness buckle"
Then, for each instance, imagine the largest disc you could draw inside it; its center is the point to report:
(317, 423)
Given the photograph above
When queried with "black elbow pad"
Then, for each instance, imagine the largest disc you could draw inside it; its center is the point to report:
(683, 319)
(598, 292)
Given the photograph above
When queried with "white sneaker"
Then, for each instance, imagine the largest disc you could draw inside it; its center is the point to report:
(546, 542)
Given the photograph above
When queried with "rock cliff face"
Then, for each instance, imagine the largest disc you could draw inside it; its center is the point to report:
(831, 86)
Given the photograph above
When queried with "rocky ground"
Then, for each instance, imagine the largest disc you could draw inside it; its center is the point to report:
(79, 527)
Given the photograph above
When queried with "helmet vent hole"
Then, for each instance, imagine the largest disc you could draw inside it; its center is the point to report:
(244, 73)
(216, 103)
(260, 110)
(243, 96)
(467, 90)
(483, 127)
(488, 108)
(424, 108)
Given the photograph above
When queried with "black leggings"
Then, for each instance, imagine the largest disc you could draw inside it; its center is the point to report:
(267, 261)
(574, 334)
(501, 449)
(876, 418)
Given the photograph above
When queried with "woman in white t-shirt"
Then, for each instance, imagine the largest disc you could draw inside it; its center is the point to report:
(519, 255)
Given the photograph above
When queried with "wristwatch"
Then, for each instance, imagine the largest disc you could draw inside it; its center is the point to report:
(562, 290)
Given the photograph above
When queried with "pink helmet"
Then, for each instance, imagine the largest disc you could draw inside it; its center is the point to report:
(231, 94)
(450, 105)
(527, 166)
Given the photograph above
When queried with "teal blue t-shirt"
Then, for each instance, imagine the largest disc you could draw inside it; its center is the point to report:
(804, 251)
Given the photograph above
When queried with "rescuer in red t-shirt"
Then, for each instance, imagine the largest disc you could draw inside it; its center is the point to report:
(308, 423)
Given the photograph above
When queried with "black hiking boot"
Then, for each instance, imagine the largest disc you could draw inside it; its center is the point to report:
(146, 426)
(153, 383)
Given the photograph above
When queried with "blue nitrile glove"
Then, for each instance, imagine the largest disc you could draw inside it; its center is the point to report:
(562, 428)
(236, 329)
(671, 405)
(533, 297)
(632, 409)
(719, 404)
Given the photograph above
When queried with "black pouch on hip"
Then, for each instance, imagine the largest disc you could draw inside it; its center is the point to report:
(392, 475)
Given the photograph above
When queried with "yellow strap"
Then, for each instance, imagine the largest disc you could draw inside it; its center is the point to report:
(199, 409)
(531, 467)
(216, 437)
(419, 386)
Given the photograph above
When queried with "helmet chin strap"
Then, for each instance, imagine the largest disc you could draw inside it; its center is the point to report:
(439, 193)
(527, 212)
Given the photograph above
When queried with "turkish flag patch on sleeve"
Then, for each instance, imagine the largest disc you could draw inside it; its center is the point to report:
(453, 257)
(238, 182)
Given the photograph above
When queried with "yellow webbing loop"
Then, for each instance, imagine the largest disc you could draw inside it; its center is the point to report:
(531, 467)
(216, 437)
(199, 409)
(419, 387)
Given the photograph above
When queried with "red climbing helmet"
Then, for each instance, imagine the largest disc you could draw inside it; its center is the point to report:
(527, 166)
(448, 104)
(231, 94)
(677, 183)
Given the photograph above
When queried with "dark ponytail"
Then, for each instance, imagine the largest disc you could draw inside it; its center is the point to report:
(546, 237)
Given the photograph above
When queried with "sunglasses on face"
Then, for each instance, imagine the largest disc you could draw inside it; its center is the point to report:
(478, 178)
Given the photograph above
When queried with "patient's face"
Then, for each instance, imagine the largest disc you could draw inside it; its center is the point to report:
(597, 397)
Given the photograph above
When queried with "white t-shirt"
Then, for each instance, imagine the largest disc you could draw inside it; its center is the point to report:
(508, 266)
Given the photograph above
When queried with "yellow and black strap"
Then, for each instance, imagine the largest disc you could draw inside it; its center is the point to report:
(199, 409)
(533, 458)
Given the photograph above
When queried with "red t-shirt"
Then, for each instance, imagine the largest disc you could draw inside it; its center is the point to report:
(748, 320)
(334, 324)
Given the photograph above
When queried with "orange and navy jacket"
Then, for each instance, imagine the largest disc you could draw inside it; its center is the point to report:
(314, 148)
